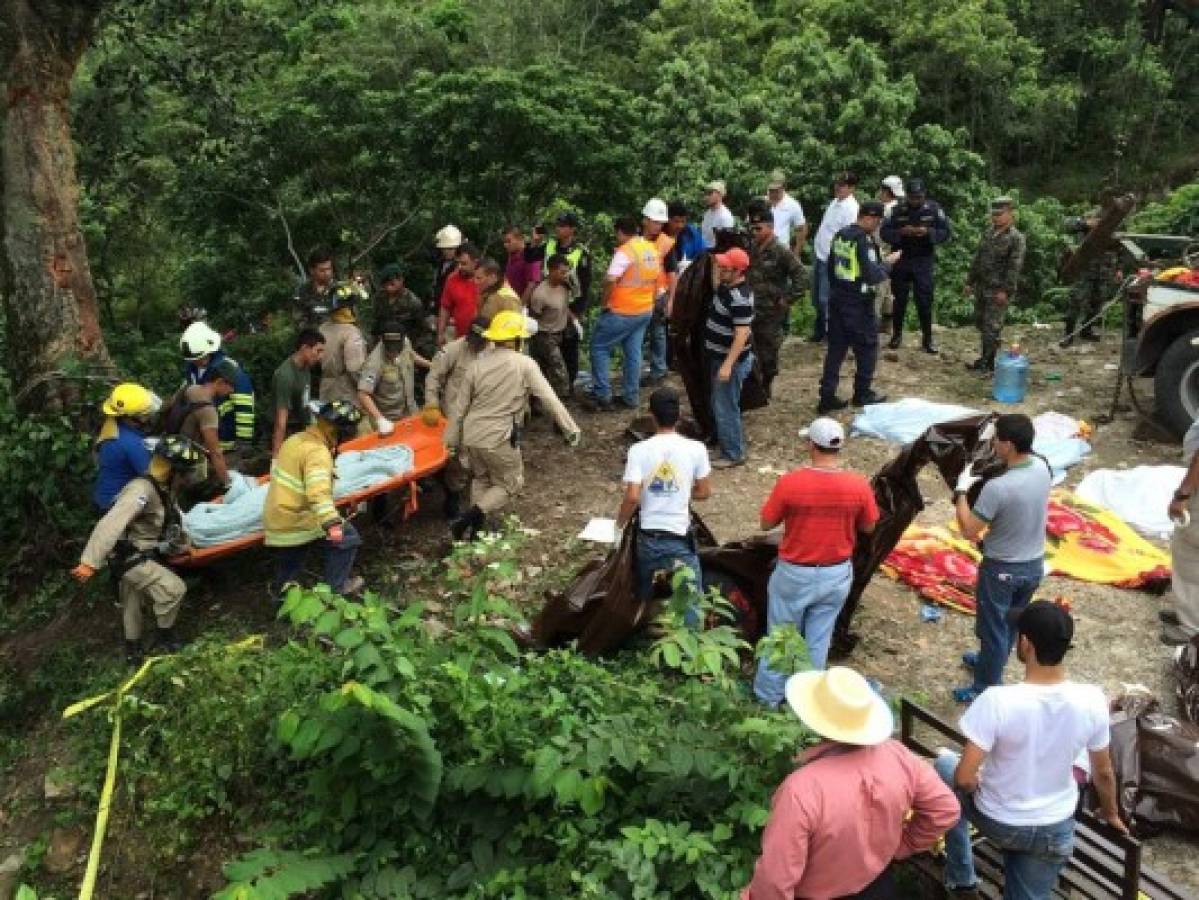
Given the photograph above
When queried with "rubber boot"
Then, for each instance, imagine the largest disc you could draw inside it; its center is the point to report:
(926, 344)
(168, 641)
(467, 525)
(1088, 334)
(451, 507)
(133, 653)
(1068, 338)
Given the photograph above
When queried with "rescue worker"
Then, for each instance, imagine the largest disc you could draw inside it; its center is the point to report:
(495, 294)
(565, 242)
(136, 534)
(632, 278)
(387, 382)
(345, 347)
(201, 348)
(1095, 285)
(310, 305)
(992, 279)
(299, 511)
(484, 422)
(195, 412)
(915, 228)
(775, 276)
(890, 192)
(291, 387)
(442, 387)
(447, 240)
(394, 303)
(856, 266)
(654, 218)
(459, 300)
(549, 306)
(121, 451)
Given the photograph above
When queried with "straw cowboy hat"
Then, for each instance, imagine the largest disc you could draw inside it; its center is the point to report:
(838, 704)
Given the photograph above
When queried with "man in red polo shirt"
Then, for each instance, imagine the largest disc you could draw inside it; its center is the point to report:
(460, 295)
(822, 509)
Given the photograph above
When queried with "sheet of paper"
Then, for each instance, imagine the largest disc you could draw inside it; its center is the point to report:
(601, 531)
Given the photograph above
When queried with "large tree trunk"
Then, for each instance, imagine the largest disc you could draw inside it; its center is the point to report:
(45, 281)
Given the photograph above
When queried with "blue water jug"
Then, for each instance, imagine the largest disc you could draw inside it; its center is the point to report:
(1011, 376)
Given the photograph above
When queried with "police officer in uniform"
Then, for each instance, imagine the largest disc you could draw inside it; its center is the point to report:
(856, 268)
(485, 421)
(775, 275)
(137, 533)
(915, 228)
(994, 273)
(345, 347)
(1094, 286)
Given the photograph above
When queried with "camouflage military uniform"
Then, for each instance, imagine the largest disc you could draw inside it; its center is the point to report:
(996, 267)
(1094, 286)
(407, 311)
(775, 274)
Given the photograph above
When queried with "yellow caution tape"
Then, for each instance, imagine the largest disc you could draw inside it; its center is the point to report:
(87, 889)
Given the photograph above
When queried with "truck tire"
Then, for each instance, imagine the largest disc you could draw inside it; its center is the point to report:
(1176, 383)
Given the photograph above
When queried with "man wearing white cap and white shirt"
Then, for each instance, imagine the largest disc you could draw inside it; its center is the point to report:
(890, 192)
(858, 801)
(716, 215)
(823, 509)
(788, 214)
(841, 213)
(654, 217)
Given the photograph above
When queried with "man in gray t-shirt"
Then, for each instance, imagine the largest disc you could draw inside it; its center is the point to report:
(1011, 510)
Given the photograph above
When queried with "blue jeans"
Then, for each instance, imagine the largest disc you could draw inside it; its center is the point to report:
(1002, 588)
(820, 290)
(339, 558)
(657, 349)
(612, 329)
(810, 598)
(1033, 855)
(726, 404)
(659, 552)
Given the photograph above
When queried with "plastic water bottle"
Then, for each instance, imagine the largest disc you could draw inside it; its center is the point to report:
(1011, 376)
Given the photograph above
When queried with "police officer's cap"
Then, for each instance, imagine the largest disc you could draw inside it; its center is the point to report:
(568, 218)
(915, 186)
(871, 208)
(390, 271)
(999, 204)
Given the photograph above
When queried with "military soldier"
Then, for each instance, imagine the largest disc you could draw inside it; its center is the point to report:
(1095, 285)
(141, 528)
(345, 347)
(485, 420)
(395, 303)
(915, 227)
(549, 305)
(310, 304)
(992, 279)
(856, 268)
(775, 275)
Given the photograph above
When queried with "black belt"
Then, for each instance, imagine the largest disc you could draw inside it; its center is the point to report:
(664, 535)
(828, 565)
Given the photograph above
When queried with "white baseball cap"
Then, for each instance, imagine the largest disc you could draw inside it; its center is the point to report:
(655, 210)
(827, 434)
(717, 186)
(894, 184)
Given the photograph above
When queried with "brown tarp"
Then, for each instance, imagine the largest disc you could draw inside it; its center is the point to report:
(1186, 672)
(1156, 758)
(1099, 240)
(599, 607)
(692, 300)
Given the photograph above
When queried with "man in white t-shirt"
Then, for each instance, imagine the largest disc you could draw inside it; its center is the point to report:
(841, 213)
(716, 214)
(790, 226)
(663, 475)
(1015, 777)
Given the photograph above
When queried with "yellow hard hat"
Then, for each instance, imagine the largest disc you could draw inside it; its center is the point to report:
(131, 399)
(507, 325)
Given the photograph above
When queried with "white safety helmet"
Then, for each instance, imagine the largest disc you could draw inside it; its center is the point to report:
(199, 340)
(448, 238)
(894, 184)
(655, 210)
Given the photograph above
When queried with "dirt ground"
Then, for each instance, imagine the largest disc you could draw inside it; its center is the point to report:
(1116, 641)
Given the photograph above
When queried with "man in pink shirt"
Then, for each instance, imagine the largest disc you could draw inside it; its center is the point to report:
(839, 820)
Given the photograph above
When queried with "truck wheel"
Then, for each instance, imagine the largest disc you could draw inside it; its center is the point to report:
(1176, 383)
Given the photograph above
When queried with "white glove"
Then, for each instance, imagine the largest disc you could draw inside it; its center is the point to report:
(966, 481)
(384, 425)
(988, 431)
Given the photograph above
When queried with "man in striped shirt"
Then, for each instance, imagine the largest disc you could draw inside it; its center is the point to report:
(728, 348)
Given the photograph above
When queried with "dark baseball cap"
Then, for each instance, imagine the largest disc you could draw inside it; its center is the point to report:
(759, 216)
(390, 271)
(915, 186)
(1048, 627)
(871, 208)
(567, 218)
(664, 405)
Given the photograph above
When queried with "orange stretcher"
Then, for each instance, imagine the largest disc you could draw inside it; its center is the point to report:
(429, 455)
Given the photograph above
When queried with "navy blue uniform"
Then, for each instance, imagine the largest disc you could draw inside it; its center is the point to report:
(915, 266)
(855, 268)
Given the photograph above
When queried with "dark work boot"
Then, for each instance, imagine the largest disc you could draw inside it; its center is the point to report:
(979, 365)
(1068, 339)
(451, 507)
(1088, 334)
(866, 399)
(467, 525)
(927, 344)
(133, 653)
(896, 339)
(831, 404)
(168, 641)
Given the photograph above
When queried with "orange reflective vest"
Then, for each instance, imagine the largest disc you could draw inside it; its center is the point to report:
(664, 243)
(633, 294)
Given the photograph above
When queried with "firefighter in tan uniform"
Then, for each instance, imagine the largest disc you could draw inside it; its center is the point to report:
(442, 386)
(345, 347)
(140, 529)
(484, 421)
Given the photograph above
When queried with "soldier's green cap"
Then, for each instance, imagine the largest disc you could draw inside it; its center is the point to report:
(999, 204)
(390, 271)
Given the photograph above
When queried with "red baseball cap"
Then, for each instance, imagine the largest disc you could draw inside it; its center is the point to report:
(736, 258)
